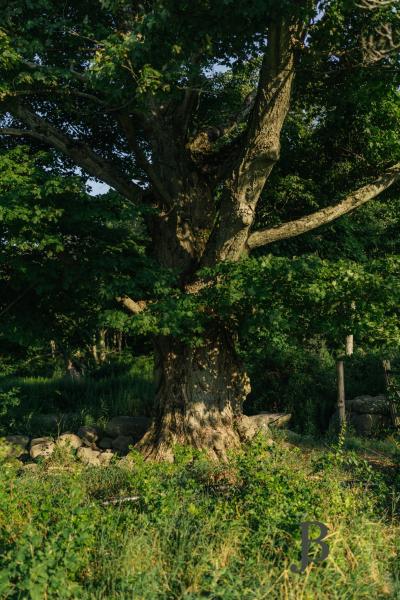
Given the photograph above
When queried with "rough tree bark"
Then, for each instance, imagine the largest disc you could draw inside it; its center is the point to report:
(200, 393)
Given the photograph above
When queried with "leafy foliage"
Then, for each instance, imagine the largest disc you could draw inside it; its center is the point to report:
(64, 255)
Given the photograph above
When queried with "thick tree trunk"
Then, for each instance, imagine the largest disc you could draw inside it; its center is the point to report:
(200, 393)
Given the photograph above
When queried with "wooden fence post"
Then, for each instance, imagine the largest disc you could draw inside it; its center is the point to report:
(341, 392)
(392, 404)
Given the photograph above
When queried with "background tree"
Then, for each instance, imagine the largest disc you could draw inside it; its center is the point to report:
(133, 95)
(64, 255)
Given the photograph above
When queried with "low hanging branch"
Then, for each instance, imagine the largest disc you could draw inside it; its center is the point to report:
(79, 151)
(137, 306)
(294, 228)
(325, 215)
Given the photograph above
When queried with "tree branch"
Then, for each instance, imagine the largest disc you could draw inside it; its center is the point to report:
(261, 147)
(135, 307)
(131, 135)
(379, 44)
(35, 66)
(375, 4)
(80, 152)
(325, 215)
(15, 131)
(54, 90)
(184, 110)
(83, 79)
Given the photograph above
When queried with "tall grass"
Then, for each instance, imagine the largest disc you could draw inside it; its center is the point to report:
(89, 399)
(199, 530)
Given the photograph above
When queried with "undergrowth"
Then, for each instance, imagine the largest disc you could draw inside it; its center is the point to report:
(193, 529)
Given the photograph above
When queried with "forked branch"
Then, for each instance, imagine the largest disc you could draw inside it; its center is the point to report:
(261, 147)
(376, 4)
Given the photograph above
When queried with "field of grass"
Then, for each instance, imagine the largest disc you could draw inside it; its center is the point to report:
(193, 530)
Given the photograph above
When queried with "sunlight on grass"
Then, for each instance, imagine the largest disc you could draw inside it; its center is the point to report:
(199, 529)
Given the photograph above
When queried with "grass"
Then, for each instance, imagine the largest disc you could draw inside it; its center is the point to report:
(200, 530)
(387, 447)
(86, 401)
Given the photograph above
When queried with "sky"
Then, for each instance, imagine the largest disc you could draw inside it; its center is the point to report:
(98, 187)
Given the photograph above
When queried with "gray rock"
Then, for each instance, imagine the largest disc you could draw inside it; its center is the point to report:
(128, 426)
(42, 448)
(41, 440)
(17, 445)
(89, 456)
(275, 419)
(260, 422)
(69, 440)
(53, 422)
(105, 458)
(374, 405)
(369, 424)
(28, 467)
(89, 435)
(248, 427)
(105, 443)
(122, 443)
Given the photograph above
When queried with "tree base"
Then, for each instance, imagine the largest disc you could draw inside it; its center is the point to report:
(200, 393)
(215, 442)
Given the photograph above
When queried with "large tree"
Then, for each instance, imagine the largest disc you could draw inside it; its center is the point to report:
(179, 106)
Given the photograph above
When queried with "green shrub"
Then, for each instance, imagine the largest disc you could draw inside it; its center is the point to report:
(9, 402)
